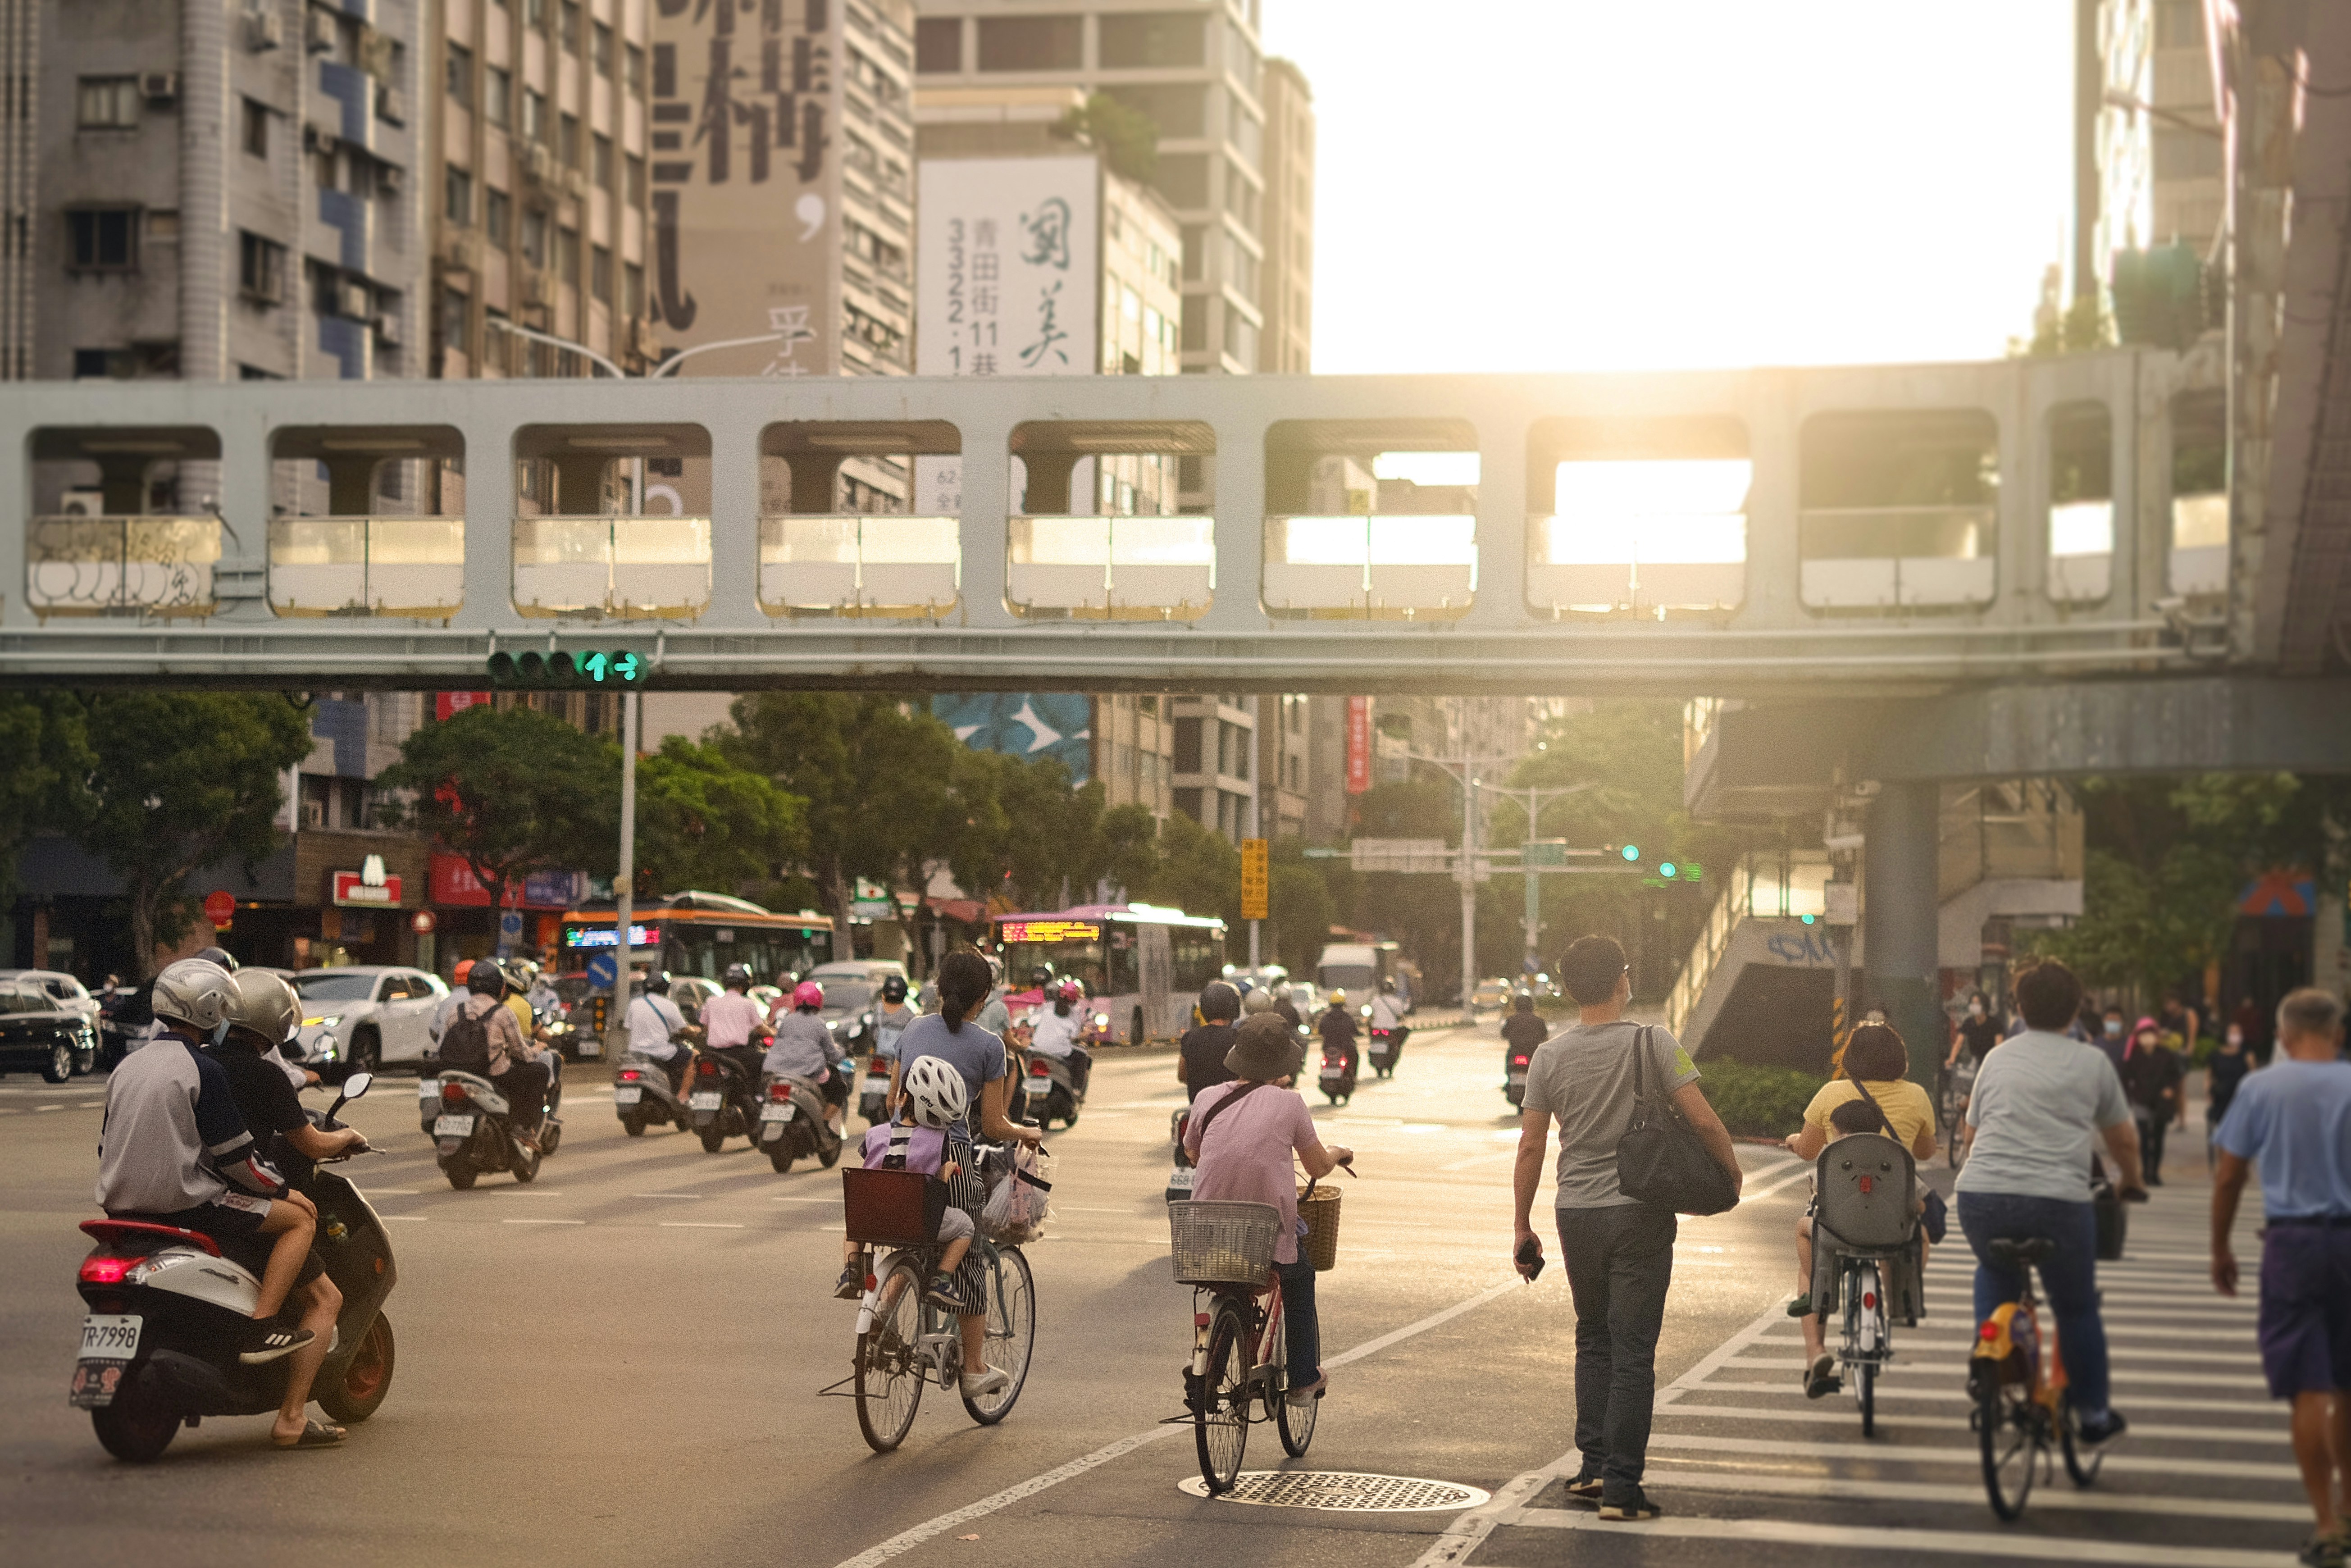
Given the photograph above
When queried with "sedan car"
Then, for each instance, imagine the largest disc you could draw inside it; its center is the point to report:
(365, 1016)
(67, 993)
(40, 1032)
(1489, 995)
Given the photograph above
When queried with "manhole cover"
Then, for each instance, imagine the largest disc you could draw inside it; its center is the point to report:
(1344, 1492)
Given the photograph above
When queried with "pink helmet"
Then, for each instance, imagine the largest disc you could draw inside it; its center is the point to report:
(808, 994)
(1069, 991)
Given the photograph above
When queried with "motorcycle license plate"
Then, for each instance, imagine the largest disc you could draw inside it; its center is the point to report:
(877, 1084)
(453, 1127)
(1518, 1080)
(705, 1100)
(108, 1341)
(631, 1095)
(1180, 1178)
(777, 1112)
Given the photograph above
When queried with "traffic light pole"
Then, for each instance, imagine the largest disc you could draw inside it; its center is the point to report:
(1533, 875)
(625, 881)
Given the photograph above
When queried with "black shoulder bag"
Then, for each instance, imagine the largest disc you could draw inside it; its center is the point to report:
(1660, 1160)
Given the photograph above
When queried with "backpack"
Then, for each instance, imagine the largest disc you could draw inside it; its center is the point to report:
(466, 1043)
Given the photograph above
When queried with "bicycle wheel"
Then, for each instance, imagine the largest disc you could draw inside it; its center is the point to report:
(1220, 1404)
(1864, 1393)
(890, 1367)
(1011, 1335)
(2008, 1433)
(2083, 1469)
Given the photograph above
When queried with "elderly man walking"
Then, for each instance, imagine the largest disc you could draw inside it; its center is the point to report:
(2292, 1119)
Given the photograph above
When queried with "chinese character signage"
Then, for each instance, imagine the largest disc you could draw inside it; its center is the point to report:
(745, 198)
(1048, 931)
(1359, 745)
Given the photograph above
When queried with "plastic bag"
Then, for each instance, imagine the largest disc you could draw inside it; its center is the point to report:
(1019, 1204)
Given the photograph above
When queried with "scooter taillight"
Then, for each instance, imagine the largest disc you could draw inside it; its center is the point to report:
(779, 1091)
(453, 1094)
(631, 1076)
(706, 1070)
(103, 1271)
(1039, 1069)
(1518, 1062)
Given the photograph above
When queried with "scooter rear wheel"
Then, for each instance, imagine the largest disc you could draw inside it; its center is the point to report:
(633, 1125)
(461, 1176)
(359, 1392)
(781, 1161)
(526, 1164)
(711, 1140)
(138, 1427)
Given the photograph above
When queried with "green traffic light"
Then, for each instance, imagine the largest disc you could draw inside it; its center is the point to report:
(597, 667)
(1631, 852)
(1666, 869)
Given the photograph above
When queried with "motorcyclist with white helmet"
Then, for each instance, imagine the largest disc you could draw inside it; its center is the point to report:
(928, 1135)
(1055, 1032)
(173, 1149)
(804, 1048)
(655, 1024)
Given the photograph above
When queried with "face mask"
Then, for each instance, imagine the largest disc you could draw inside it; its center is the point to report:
(2236, 1037)
(2114, 1025)
(1975, 1010)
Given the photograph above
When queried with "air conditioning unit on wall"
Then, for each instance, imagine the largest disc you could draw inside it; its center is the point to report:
(387, 329)
(159, 87)
(351, 299)
(264, 30)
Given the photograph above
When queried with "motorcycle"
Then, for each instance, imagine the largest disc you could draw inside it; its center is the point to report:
(1387, 1045)
(792, 1123)
(643, 1098)
(1051, 1090)
(1515, 1086)
(1338, 1078)
(167, 1314)
(874, 1091)
(473, 1131)
(724, 1098)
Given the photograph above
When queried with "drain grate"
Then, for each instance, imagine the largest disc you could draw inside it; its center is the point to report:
(1344, 1492)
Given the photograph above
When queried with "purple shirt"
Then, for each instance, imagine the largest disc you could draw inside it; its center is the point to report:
(1248, 1158)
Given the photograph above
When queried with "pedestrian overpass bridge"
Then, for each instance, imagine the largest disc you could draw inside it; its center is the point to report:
(1891, 530)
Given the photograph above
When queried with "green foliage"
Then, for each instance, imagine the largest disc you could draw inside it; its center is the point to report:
(1127, 138)
(1301, 911)
(510, 791)
(1757, 1102)
(1420, 808)
(703, 822)
(1199, 871)
(178, 781)
(45, 765)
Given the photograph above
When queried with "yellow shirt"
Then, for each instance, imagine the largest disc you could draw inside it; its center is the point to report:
(1904, 1103)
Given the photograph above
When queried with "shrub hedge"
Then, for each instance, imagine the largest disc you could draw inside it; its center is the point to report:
(1758, 1102)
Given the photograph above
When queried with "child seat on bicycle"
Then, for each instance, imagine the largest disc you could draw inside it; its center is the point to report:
(1865, 1206)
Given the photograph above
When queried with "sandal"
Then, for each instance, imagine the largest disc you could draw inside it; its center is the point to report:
(1802, 1307)
(1822, 1380)
(314, 1434)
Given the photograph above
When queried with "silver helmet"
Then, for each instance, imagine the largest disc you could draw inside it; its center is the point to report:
(196, 992)
(264, 1004)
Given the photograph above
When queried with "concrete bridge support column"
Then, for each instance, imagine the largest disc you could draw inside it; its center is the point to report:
(1900, 900)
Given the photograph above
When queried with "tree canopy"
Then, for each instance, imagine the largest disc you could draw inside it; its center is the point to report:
(1128, 138)
(45, 779)
(702, 822)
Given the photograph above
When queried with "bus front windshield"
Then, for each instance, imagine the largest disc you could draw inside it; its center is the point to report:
(1103, 973)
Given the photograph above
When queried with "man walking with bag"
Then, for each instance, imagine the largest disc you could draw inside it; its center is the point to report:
(1619, 1251)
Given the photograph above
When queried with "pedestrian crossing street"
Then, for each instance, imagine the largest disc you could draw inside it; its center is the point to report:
(2205, 1478)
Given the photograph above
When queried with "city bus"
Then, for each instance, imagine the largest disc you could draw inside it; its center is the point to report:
(700, 933)
(1143, 965)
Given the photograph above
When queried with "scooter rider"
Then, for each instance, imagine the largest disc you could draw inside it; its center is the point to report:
(653, 1026)
(731, 1019)
(890, 1018)
(1055, 1033)
(512, 1065)
(173, 1142)
(804, 1048)
(1337, 1026)
(1523, 1030)
(265, 1013)
(1387, 1008)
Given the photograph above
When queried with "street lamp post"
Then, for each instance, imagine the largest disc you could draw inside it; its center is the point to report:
(1535, 799)
(1465, 865)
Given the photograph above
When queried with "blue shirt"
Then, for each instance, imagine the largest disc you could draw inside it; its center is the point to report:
(971, 1050)
(2293, 1119)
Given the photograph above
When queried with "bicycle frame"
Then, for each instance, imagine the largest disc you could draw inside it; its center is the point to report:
(941, 1341)
(1264, 1328)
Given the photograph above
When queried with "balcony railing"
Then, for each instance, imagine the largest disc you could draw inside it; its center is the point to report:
(625, 568)
(122, 566)
(1884, 557)
(413, 567)
(1404, 567)
(860, 565)
(1112, 568)
(1604, 564)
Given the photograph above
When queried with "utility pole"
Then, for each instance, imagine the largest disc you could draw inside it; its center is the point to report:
(1465, 863)
(1533, 870)
(1257, 794)
(616, 1021)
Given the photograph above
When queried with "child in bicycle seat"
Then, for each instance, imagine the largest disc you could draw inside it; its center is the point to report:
(927, 1135)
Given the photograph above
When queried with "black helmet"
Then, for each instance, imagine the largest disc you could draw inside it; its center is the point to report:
(658, 983)
(219, 955)
(486, 979)
(1042, 975)
(1524, 1002)
(1220, 1001)
(738, 975)
(894, 989)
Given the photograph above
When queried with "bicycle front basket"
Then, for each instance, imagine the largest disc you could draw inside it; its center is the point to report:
(1223, 1243)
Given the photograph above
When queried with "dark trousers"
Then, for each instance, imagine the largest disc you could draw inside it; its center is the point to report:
(1619, 1261)
(1302, 1331)
(2069, 1277)
(524, 1084)
(2152, 1122)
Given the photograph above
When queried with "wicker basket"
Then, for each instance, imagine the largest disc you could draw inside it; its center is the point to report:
(1223, 1243)
(1319, 1207)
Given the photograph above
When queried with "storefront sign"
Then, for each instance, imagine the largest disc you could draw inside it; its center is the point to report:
(453, 883)
(369, 885)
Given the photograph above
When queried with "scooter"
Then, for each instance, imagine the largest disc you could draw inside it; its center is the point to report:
(1387, 1045)
(474, 1132)
(167, 1314)
(874, 1091)
(792, 1123)
(430, 1107)
(1051, 1090)
(1338, 1075)
(724, 1099)
(1514, 1085)
(643, 1098)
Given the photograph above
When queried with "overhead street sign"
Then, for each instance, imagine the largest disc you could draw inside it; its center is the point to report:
(1401, 854)
(1255, 879)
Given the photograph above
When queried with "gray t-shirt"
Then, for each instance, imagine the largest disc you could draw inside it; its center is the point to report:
(970, 1051)
(2039, 1103)
(1584, 1078)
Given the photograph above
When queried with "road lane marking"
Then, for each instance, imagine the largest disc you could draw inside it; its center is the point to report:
(1959, 1368)
(907, 1539)
(2279, 1438)
(410, 1218)
(44, 1109)
(1812, 1484)
(700, 1225)
(1765, 1448)
(387, 1192)
(1883, 1540)
(542, 1222)
(695, 1194)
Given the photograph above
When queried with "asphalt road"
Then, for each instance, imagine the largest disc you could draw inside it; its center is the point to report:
(620, 1364)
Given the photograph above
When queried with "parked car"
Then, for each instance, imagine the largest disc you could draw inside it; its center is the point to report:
(39, 1031)
(1489, 995)
(363, 1017)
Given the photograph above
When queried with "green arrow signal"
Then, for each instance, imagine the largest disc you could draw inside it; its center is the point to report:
(627, 669)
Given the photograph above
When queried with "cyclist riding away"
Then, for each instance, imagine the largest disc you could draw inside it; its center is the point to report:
(930, 1136)
(2041, 1104)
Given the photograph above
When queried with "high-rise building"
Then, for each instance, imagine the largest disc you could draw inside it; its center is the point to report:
(1286, 346)
(539, 185)
(212, 191)
(1214, 759)
(1193, 68)
(2150, 158)
(1284, 748)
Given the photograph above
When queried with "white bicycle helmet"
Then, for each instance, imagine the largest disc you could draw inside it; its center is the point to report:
(936, 1096)
(196, 992)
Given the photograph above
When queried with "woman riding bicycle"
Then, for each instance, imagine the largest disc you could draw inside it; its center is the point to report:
(965, 982)
(1875, 1065)
(1243, 1155)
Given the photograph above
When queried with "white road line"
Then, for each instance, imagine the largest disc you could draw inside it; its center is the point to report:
(907, 1539)
(700, 1225)
(44, 1109)
(664, 1194)
(387, 1192)
(410, 1218)
(542, 1222)
(1812, 1485)
(2207, 1433)
(1863, 1538)
(2138, 1396)
(1804, 1169)
(1959, 1368)
(1765, 1449)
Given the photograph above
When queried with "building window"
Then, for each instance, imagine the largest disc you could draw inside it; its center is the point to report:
(1196, 323)
(1183, 179)
(106, 103)
(604, 56)
(457, 196)
(566, 140)
(567, 255)
(533, 12)
(102, 239)
(257, 128)
(1152, 38)
(938, 44)
(632, 289)
(460, 72)
(600, 161)
(569, 30)
(497, 215)
(599, 273)
(634, 167)
(1032, 43)
(456, 315)
(498, 97)
(534, 236)
(261, 268)
(634, 59)
(534, 115)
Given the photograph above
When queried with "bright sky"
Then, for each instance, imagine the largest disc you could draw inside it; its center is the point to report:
(1589, 184)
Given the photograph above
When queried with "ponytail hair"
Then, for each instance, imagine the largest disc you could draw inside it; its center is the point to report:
(964, 981)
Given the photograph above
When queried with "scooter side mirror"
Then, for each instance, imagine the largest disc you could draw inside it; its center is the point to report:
(357, 1084)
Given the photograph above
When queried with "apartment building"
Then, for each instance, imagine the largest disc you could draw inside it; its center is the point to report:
(1286, 345)
(1284, 751)
(541, 201)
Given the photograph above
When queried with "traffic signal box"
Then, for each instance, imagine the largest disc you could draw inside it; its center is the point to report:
(618, 669)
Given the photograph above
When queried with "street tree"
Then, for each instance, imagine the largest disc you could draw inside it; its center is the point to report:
(179, 781)
(45, 767)
(702, 821)
(1200, 870)
(509, 791)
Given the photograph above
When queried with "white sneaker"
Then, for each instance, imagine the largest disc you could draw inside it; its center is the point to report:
(986, 1385)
